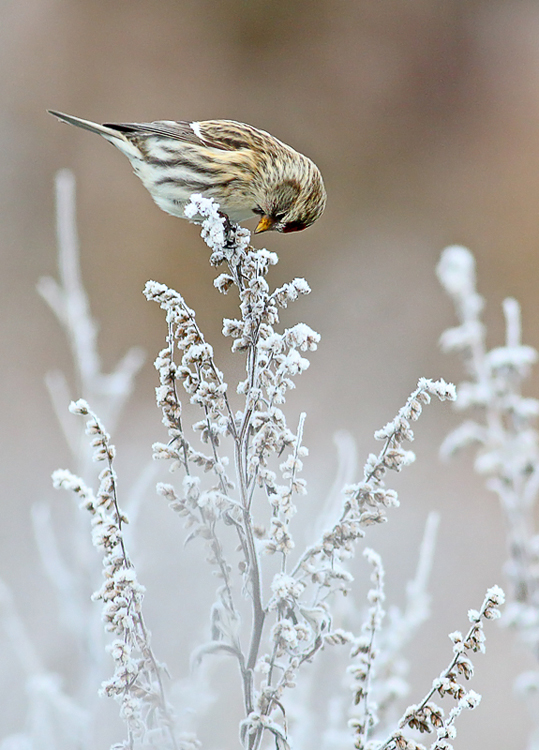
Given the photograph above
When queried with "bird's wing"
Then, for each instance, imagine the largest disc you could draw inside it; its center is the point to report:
(225, 135)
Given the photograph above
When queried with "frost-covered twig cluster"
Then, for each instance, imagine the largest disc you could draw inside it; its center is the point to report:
(504, 433)
(427, 716)
(378, 667)
(68, 300)
(137, 682)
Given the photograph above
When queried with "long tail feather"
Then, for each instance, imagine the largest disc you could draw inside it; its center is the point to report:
(93, 127)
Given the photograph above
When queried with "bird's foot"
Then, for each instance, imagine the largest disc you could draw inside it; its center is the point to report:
(230, 231)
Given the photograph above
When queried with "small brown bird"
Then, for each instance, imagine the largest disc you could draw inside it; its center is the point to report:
(245, 170)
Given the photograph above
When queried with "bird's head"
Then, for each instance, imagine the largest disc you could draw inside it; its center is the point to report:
(294, 201)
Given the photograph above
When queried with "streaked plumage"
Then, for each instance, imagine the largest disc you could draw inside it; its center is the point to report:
(246, 170)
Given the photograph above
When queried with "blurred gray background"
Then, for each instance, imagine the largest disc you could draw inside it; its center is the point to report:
(424, 119)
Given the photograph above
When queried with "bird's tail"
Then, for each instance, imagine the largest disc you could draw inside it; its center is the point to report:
(93, 127)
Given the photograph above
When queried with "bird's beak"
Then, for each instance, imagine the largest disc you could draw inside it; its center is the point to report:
(265, 224)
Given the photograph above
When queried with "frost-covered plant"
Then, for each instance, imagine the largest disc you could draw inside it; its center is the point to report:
(240, 483)
(297, 610)
(504, 433)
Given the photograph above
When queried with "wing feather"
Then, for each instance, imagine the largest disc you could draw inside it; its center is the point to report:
(180, 131)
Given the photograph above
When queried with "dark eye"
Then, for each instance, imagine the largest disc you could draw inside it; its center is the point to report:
(258, 210)
(294, 226)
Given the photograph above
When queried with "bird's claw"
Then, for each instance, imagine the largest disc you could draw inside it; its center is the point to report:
(230, 231)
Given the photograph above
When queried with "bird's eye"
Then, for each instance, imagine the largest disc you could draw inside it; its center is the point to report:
(294, 226)
(258, 210)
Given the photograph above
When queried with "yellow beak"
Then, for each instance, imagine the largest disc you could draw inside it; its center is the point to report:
(266, 223)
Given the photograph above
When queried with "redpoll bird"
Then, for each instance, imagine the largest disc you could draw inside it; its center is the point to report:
(245, 170)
